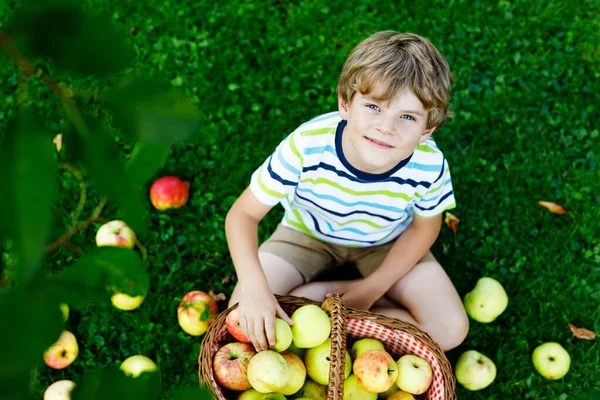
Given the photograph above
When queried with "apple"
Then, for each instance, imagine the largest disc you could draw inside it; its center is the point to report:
(311, 390)
(365, 344)
(250, 394)
(414, 374)
(283, 335)
(486, 301)
(134, 366)
(64, 309)
(116, 234)
(474, 371)
(232, 322)
(296, 350)
(272, 396)
(125, 302)
(62, 353)
(268, 371)
(400, 395)
(375, 370)
(297, 373)
(169, 192)
(317, 363)
(59, 390)
(384, 395)
(355, 391)
(551, 360)
(196, 312)
(230, 365)
(311, 327)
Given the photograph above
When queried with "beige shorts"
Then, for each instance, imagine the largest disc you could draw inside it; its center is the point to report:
(311, 256)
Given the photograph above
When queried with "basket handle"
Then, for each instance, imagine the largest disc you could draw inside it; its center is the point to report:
(337, 312)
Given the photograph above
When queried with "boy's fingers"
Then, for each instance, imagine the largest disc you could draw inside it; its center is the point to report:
(270, 329)
(259, 332)
(282, 314)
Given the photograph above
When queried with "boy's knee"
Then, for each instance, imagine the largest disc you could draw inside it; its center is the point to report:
(453, 331)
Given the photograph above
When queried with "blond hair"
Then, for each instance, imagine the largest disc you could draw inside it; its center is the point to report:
(390, 61)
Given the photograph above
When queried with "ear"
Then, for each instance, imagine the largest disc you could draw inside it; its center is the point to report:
(426, 133)
(342, 107)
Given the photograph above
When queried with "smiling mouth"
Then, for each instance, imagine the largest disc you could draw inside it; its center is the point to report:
(378, 143)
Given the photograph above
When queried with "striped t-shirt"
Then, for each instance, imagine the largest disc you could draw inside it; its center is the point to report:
(327, 198)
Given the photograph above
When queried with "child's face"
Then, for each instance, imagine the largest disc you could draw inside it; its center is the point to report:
(379, 136)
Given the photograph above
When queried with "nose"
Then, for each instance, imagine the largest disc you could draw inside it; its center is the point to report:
(385, 125)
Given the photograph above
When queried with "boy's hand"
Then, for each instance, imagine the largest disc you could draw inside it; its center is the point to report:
(357, 295)
(258, 310)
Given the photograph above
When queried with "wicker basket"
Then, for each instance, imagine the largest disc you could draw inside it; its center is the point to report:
(398, 337)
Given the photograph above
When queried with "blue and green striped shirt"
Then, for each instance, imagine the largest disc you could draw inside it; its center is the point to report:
(327, 198)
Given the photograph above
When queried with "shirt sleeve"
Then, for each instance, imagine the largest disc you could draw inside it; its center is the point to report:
(278, 176)
(439, 197)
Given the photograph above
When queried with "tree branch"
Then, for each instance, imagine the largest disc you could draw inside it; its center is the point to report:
(82, 191)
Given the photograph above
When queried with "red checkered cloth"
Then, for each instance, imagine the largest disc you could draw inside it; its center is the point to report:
(396, 342)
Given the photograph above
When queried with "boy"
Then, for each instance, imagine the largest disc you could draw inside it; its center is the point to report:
(365, 185)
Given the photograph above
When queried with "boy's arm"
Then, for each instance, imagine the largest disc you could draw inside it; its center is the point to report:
(408, 249)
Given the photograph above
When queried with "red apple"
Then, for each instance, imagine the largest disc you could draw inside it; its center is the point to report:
(233, 326)
(169, 192)
(62, 353)
(231, 365)
(375, 370)
(196, 312)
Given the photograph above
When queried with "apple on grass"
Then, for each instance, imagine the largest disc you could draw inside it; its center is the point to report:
(230, 365)
(268, 371)
(551, 360)
(375, 370)
(232, 322)
(317, 361)
(196, 312)
(355, 391)
(365, 344)
(169, 192)
(134, 366)
(297, 373)
(474, 371)
(486, 301)
(125, 302)
(59, 390)
(311, 327)
(64, 309)
(116, 234)
(414, 374)
(62, 353)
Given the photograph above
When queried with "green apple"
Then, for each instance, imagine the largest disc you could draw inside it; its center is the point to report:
(355, 391)
(375, 370)
(134, 366)
(311, 390)
(384, 395)
(250, 394)
(474, 371)
(317, 363)
(296, 350)
(283, 335)
(365, 344)
(311, 327)
(64, 308)
(486, 301)
(551, 360)
(414, 374)
(272, 396)
(268, 371)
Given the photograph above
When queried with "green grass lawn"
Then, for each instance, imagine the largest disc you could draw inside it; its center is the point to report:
(526, 97)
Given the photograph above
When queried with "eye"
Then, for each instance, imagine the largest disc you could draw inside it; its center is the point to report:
(408, 117)
(373, 107)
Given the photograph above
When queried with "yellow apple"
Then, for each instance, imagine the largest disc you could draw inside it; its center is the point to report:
(317, 363)
(551, 360)
(311, 327)
(283, 335)
(125, 302)
(268, 371)
(474, 371)
(59, 390)
(196, 312)
(486, 301)
(297, 373)
(400, 395)
(355, 391)
(375, 370)
(414, 374)
(116, 234)
(62, 353)
(134, 366)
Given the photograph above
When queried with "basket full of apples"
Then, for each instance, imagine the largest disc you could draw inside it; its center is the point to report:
(329, 353)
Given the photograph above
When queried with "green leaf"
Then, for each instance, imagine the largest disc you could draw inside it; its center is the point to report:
(194, 394)
(113, 384)
(108, 171)
(146, 159)
(75, 40)
(31, 322)
(100, 272)
(28, 188)
(153, 112)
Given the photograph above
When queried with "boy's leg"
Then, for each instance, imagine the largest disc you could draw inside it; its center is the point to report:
(427, 298)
